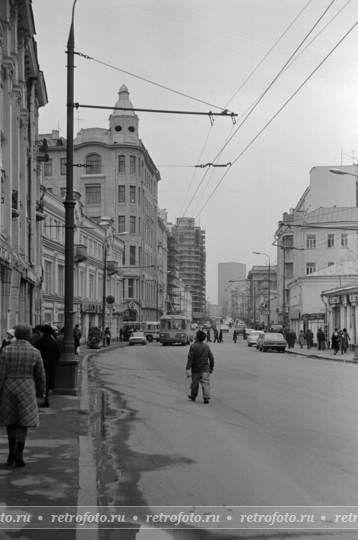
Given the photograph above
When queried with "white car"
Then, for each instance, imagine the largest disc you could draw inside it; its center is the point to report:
(225, 328)
(137, 337)
(252, 337)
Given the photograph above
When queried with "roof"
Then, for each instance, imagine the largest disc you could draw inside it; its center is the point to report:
(332, 215)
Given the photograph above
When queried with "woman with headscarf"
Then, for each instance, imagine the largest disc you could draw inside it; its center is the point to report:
(10, 338)
(22, 376)
(50, 352)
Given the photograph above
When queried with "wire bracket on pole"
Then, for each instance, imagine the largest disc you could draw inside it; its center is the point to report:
(213, 165)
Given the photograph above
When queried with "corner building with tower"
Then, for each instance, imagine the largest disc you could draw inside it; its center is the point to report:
(116, 177)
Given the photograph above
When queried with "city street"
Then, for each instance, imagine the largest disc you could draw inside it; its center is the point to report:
(279, 430)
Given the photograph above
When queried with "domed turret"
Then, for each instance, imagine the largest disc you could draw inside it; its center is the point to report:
(124, 123)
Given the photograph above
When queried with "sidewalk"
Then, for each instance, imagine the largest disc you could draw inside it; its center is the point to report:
(328, 354)
(60, 466)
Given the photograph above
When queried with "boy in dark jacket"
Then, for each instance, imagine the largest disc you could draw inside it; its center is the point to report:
(201, 364)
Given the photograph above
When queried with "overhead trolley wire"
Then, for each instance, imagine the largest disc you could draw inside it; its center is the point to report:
(267, 54)
(278, 112)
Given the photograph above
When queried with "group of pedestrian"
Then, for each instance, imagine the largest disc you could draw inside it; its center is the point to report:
(27, 371)
(290, 337)
(340, 340)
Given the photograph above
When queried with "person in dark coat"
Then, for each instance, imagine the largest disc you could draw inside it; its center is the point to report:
(208, 336)
(51, 353)
(22, 376)
(234, 336)
(321, 340)
(107, 335)
(10, 338)
(345, 339)
(335, 341)
(309, 338)
(288, 338)
(221, 336)
(77, 334)
(199, 365)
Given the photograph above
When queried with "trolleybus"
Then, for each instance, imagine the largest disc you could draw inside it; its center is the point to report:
(174, 329)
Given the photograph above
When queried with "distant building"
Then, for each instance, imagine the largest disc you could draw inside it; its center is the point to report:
(228, 272)
(190, 239)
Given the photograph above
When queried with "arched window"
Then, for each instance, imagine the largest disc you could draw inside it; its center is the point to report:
(93, 164)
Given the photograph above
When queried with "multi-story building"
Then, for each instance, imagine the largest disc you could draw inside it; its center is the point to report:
(319, 233)
(22, 94)
(173, 304)
(118, 179)
(192, 262)
(232, 272)
(89, 260)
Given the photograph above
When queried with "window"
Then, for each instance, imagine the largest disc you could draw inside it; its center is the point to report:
(122, 194)
(121, 224)
(93, 164)
(63, 166)
(139, 196)
(330, 241)
(344, 240)
(48, 277)
(48, 168)
(124, 256)
(130, 288)
(289, 270)
(93, 194)
(132, 190)
(288, 241)
(310, 268)
(121, 164)
(132, 224)
(91, 287)
(83, 285)
(330, 263)
(132, 164)
(311, 241)
(132, 255)
(63, 192)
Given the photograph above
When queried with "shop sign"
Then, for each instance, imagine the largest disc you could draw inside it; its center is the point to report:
(353, 297)
(85, 308)
(294, 314)
(5, 255)
(334, 300)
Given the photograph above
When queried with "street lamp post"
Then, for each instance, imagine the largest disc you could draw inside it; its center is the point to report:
(66, 380)
(269, 288)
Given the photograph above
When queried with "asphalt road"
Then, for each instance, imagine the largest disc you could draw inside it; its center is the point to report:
(280, 431)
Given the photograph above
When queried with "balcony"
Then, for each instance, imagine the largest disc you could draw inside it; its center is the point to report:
(80, 253)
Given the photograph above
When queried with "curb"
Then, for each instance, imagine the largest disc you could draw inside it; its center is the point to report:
(87, 492)
(329, 358)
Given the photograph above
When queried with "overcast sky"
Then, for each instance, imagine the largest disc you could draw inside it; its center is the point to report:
(208, 50)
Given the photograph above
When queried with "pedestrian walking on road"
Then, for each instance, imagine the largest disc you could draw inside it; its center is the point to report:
(10, 338)
(208, 337)
(221, 336)
(51, 353)
(199, 366)
(22, 376)
(335, 341)
(288, 337)
(216, 335)
(321, 340)
(301, 339)
(293, 338)
(309, 338)
(234, 336)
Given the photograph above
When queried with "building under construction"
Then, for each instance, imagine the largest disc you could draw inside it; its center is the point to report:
(192, 262)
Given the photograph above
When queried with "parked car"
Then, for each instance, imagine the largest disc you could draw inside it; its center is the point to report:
(137, 337)
(275, 342)
(253, 337)
(225, 328)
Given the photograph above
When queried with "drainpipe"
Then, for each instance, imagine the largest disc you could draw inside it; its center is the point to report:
(32, 190)
(328, 311)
